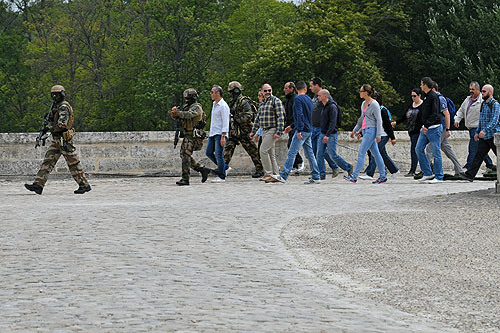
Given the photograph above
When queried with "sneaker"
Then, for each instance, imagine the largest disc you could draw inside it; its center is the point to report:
(82, 189)
(424, 178)
(301, 167)
(380, 180)
(278, 178)
(366, 177)
(435, 181)
(465, 176)
(34, 188)
(218, 180)
(410, 174)
(418, 175)
(335, 173)
(228, 170)
(311, 181)
(294, 171)
(350, 179)
(395, 174)
(350, 171)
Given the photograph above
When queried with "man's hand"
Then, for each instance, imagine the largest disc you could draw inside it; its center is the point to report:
(174, 112)
(482, 134)
(424, 130)
(448, 133)
(251, 135)
(222, 140)
(476, 137)
(276, 136)
(378, 139)
(352, 134)
(456, 124)
(299, 135)
(393, 142)
(325, 139)
(256, 138)
(288, 129)
(393, 124)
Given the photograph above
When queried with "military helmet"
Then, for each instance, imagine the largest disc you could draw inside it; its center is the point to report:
(57, 88)
(190, 93)
(234, 84)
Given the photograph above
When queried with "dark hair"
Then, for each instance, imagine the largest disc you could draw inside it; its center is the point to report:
(316, 81)
(218, 89)
(435, 86)
(417, 91)
(369, 89)
(428, 82)
(291, 85)
(378, 97)
(301, 85)
(475, 84)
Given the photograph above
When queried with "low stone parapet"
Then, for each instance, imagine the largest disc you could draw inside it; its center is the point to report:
(152, 153)
(497, 144)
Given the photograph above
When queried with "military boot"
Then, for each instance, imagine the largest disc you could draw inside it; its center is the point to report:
(34, 188)
(183, 182)
(204, 174)
(82, 189)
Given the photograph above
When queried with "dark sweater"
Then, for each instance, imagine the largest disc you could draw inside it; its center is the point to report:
(316, 114)
(430, 110)
(329, 113)
(386, 123)
(289, 108)
(414, 125)
(302, 113)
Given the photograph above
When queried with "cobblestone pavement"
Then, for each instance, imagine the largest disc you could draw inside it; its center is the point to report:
(141, 254)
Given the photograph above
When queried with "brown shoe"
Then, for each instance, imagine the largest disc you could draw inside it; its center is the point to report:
(272, 180)
(266, 178)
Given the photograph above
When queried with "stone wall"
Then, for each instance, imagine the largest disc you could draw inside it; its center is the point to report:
(152, 153)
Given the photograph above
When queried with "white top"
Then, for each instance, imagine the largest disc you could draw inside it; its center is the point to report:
(219, 120)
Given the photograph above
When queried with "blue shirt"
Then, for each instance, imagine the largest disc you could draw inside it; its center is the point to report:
(489, 118)
(443, 105)
(302, 113)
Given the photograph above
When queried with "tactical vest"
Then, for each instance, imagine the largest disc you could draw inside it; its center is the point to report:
(188, 124)
(55, 118)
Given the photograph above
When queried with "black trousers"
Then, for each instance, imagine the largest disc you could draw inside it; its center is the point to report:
(298, 159)
(483, 148)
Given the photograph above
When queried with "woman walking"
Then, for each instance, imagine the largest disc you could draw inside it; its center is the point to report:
(370, 124)
(414, 117)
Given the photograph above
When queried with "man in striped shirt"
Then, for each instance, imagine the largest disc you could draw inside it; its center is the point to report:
(271, 118)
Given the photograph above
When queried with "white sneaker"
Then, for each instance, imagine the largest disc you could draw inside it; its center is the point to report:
(394, 175)
(424, 178)
(218, 180)
(312, 181)
(279, 178)
(435, 181)
(228, 169)
(366, 177)
(293, 171)
(301, 167)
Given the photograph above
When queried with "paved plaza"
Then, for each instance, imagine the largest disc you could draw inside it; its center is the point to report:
(143, 255)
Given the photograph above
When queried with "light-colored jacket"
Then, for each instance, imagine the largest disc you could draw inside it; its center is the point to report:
(372, 116)
(472, 117)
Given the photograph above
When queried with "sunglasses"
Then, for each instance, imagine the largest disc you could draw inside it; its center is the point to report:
(267, 90)
(413, 95)
(483, 91)
(362, 91)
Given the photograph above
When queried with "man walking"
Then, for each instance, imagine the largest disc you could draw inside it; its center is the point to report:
(489, 124)
(302, 114)
(219, 127)
(430, 133)
(469, 111)
(271, 118)
(290, 94)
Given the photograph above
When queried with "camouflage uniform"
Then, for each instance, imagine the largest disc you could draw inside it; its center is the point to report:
(61, 117)
(189, 116)
(242, 118)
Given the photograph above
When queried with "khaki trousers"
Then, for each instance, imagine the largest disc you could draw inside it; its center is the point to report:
(267, 151)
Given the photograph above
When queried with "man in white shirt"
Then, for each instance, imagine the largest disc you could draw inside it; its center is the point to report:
(219, 127)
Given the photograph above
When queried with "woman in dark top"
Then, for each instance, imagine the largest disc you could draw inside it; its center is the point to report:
(389, 134)
(413, 116)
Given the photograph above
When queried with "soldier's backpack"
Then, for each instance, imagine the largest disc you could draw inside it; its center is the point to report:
(254, 106)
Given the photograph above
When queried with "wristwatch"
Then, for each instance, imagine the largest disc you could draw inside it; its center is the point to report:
(448, 129)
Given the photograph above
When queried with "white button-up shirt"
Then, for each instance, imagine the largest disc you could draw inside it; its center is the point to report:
(219, 120)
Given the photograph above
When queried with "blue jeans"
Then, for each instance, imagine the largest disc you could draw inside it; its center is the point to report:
(215, 152)
(370, 170)
(314, 139)
(294, 149)
(331, 148)
(413, 152)
(473, 149)
(369, 142)
(433, 137)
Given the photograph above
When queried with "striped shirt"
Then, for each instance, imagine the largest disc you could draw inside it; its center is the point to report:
(489, 122)
(271, 114)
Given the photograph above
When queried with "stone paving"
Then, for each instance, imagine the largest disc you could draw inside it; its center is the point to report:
(141, 254)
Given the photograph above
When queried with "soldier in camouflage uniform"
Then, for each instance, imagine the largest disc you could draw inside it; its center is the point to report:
(189, 116)
(242, 117)
(61, 123)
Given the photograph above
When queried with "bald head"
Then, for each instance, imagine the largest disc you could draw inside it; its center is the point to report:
(323, 96)
(487, 91)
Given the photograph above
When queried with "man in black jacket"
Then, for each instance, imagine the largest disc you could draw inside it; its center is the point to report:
(430, 133)
(329, 129)
(290, 94)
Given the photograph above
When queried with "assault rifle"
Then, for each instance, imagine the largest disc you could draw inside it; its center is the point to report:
(177, 131)
(42, 136)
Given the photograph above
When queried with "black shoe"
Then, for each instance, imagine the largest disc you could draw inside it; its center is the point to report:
(82, 189)
(465, 177)
(258, 174)
(204, 174)
(183, 182)
(34, 188)
(418, 175)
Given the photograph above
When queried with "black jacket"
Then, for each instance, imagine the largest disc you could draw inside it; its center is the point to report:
(386, 123)
(289, 108)
(430, 110)
(415, 125)
(329, 114)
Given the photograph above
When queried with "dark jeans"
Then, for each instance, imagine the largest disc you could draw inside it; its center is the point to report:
(413, 152)
(473, 149)
(370, 170)
(298, 159)
(483, 148)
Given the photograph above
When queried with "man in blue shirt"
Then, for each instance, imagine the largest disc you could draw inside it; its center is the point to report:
(489, 124)
(302, 115)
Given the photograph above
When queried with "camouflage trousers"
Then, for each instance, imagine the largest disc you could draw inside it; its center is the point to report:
(52, 156)
(188, 161)
(249, 146)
